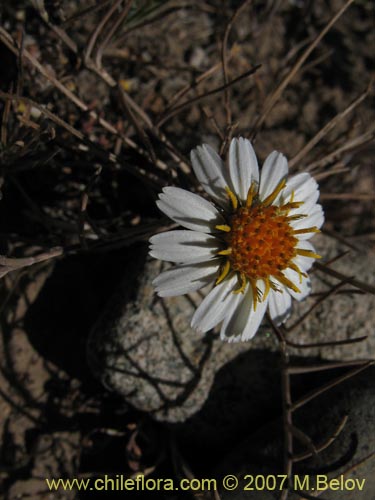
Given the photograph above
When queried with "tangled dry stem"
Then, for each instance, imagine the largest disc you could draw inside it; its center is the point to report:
(147, 131)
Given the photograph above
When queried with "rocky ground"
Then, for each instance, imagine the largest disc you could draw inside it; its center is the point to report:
(97, 376)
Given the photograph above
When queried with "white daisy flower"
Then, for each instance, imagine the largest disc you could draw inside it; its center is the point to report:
(250, 241)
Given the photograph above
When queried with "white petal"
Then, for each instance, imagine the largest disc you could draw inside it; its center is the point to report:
(274, 170)
(225, 333)
(280, 305)
(306, 208)
(304, 263)
(243, 166)
(304, 188)
(244, 322)
(209, 169)
(314, 218)
(304, 286)
(189, 209)
(185, 278)
(183, 246)
(214, 306)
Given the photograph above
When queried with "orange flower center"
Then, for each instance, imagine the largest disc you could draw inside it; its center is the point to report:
(262, 242)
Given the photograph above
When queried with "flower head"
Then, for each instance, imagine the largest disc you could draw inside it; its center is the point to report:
(250, 241)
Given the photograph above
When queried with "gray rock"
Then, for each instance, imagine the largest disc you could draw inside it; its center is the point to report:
(144, 348)
(244, 395)
(351, 454)
(344, 315)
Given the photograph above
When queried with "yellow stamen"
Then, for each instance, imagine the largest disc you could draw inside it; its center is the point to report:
(242, 286)
(312, 229)
(290, 206)
(223, 227)
(275, 288)
(272, 197)
(298, 271)
(267, 287)
(224, 272)
(308, 253)
(232, 197)
(261, 243)
(227, 251)
(296, 217)
(286, 282)
(256, 293)
(250, 194)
